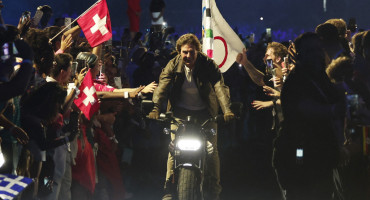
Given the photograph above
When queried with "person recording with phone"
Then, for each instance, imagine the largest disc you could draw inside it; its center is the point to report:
(306, 150)
(274, 60)
(13, 83)
(14, 78)
(62, 73)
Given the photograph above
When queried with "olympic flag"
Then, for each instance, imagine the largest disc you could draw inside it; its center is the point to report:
(220, 42)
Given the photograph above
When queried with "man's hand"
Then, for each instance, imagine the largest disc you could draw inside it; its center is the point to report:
(20, 135)
(136, 92)
(66, 42)
(149, 88)
(154, 114)
(271, 91)
(258, 105)
(278, 83)
(228, 116)
(241, 58)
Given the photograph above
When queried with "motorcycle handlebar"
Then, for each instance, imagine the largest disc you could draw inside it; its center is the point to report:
(168, 117)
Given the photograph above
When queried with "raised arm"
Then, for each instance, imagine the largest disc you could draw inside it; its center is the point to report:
(256, 75)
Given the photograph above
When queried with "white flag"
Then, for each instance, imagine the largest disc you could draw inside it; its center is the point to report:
(220, 42)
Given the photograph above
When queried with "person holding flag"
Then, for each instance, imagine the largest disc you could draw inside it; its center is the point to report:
(88, 101)
(95, 23)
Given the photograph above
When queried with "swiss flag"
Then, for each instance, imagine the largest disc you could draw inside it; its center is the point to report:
(96, 24)
(87, 100)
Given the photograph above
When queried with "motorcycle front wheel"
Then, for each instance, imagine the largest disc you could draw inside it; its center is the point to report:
(187, 185)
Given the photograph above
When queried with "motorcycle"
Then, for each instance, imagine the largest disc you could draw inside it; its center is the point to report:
(190, 149)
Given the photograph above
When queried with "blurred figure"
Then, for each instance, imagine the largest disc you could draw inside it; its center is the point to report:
(306, 150)
(43, 55)
(134, 12)
(47, 12)
(157, 11)
(40, 109)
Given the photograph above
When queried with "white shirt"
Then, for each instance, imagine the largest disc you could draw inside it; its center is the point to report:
(190, 97)
(50, 79)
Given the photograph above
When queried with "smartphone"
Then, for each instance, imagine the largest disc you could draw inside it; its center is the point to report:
(36, 18)
(81, 64)
(5, 49)
(268, 32)
(286, 62)
(299, 155)
(26, 15)
(46, 180)
(67, 22)
(352, 25)
(74, 68)
(269, 63)
(269, 66)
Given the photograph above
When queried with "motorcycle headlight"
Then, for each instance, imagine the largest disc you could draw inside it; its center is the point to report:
(188, 144)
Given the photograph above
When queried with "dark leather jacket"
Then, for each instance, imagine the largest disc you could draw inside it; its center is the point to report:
(208, 79)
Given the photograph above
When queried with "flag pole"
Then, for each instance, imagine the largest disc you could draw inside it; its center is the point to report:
(74, 20)
(208, 32)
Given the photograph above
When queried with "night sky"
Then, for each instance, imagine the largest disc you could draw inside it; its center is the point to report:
(286, 17)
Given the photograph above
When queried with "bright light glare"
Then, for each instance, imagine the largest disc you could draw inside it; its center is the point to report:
(164, 23)
(188, 144)
(2, 160)
(261, 18)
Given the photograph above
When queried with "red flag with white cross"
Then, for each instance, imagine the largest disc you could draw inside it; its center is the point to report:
(95, 24)
(87, 100)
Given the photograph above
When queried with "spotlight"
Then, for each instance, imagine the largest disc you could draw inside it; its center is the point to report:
(261, 18)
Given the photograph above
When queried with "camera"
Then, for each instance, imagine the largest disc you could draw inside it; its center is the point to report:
(26, 15)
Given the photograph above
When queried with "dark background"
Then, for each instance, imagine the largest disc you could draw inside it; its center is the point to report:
(287, 18)
(245, 153)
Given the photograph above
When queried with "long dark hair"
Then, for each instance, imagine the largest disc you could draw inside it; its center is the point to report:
(44, 102)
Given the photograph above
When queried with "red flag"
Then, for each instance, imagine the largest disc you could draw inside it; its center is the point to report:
(96, 24)
(87, 100)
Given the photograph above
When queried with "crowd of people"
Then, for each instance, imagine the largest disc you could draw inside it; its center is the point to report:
(309, 97)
